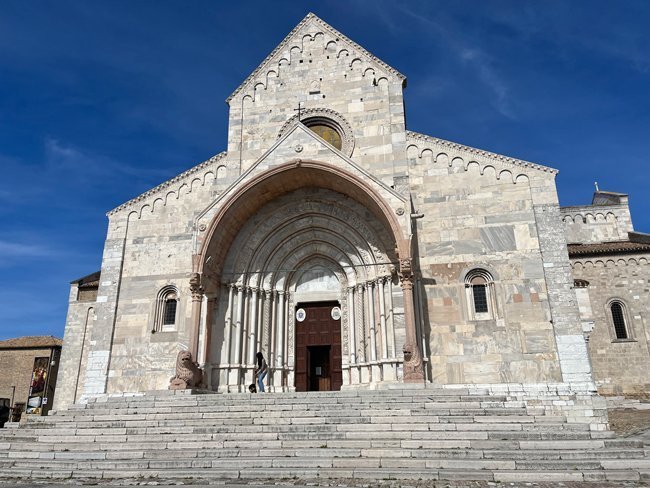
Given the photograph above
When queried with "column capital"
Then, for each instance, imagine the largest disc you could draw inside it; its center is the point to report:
(406, 273)
(196, 288)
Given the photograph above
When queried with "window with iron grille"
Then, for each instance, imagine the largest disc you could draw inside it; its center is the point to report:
(170, 312)
(165, 310)
(618, 318)
(481, 302)
(480, 298)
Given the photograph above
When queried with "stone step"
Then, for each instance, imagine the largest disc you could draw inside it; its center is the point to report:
(358, 472)
(401, 434)
(401, 431)
(324, 459)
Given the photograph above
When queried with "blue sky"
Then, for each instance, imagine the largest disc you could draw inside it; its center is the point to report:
(100, 101)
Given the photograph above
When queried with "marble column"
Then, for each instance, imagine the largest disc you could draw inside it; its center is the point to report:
(413, 370)
(197, 299)
(207, 338)
(252, 327)
(352, 338)
(371, 320)
(227, 334)
(382, 318)
(238, 325)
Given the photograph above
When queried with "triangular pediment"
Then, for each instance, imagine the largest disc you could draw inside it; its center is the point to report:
(300, 143)
(309, 27)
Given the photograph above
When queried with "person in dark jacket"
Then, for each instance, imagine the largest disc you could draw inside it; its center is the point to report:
(260, 371)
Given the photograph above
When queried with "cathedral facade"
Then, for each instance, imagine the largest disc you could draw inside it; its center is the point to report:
(351, 252)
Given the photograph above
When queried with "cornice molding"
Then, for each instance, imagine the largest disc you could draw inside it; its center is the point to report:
(415, 136)
(332, 31)
(168, 183)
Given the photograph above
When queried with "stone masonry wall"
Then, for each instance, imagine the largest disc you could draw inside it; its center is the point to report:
(478, 211)
(76, 344)
(597, 223)
(620, 366)
(322, 70)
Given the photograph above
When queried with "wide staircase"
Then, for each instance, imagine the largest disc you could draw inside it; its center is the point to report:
(383, 435)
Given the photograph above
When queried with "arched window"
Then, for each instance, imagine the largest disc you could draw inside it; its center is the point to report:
(166, 310)
(618, 313)
(479, 286)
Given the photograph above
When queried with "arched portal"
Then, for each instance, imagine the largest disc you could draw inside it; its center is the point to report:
(288, 224)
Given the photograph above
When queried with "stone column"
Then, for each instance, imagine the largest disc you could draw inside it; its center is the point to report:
(252, 327)
(391, 322)
(371, 320)
(273, 329)
(361, 356)
(238, 324)
(382, 318)
(207, 338)
(246, 326)
(227, 334)
(266, 333)
(197, 299)
(279, 345)
(351, 328)
(413, 370)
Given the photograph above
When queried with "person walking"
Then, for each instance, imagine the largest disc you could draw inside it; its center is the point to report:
(261, 371)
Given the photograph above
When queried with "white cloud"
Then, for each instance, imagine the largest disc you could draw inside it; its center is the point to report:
(10, 250)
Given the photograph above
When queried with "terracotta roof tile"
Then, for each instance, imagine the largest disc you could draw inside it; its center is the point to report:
(31, 342)
(607, 247)
(90, 280)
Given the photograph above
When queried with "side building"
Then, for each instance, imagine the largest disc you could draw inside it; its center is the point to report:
(29, 367)
(612, 283)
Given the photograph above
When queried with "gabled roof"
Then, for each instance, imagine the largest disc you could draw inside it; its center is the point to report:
(312, 18)
(31, 342)
(89, 280)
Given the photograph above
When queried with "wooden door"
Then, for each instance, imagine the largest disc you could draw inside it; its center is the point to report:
(318, 349)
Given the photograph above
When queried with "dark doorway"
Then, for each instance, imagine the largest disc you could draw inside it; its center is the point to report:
(318, 348)
(319, 378)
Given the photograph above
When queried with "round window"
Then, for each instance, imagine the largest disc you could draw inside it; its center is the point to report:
(326, 132)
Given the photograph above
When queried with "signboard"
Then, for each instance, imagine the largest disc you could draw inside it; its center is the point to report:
(336, 313)
(301, 315)
(37, 386)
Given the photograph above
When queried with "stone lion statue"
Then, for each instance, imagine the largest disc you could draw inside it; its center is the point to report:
(188, 373)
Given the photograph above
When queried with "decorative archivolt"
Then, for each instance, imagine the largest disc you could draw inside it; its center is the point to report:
(335, 45)
(589, 217)
(345, 129)
(457, 163)
(271, 247)
(173, 189)
(581, 264)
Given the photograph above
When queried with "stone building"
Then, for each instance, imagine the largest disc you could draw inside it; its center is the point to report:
(29, 367)
(352, 252)
(610, 267)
